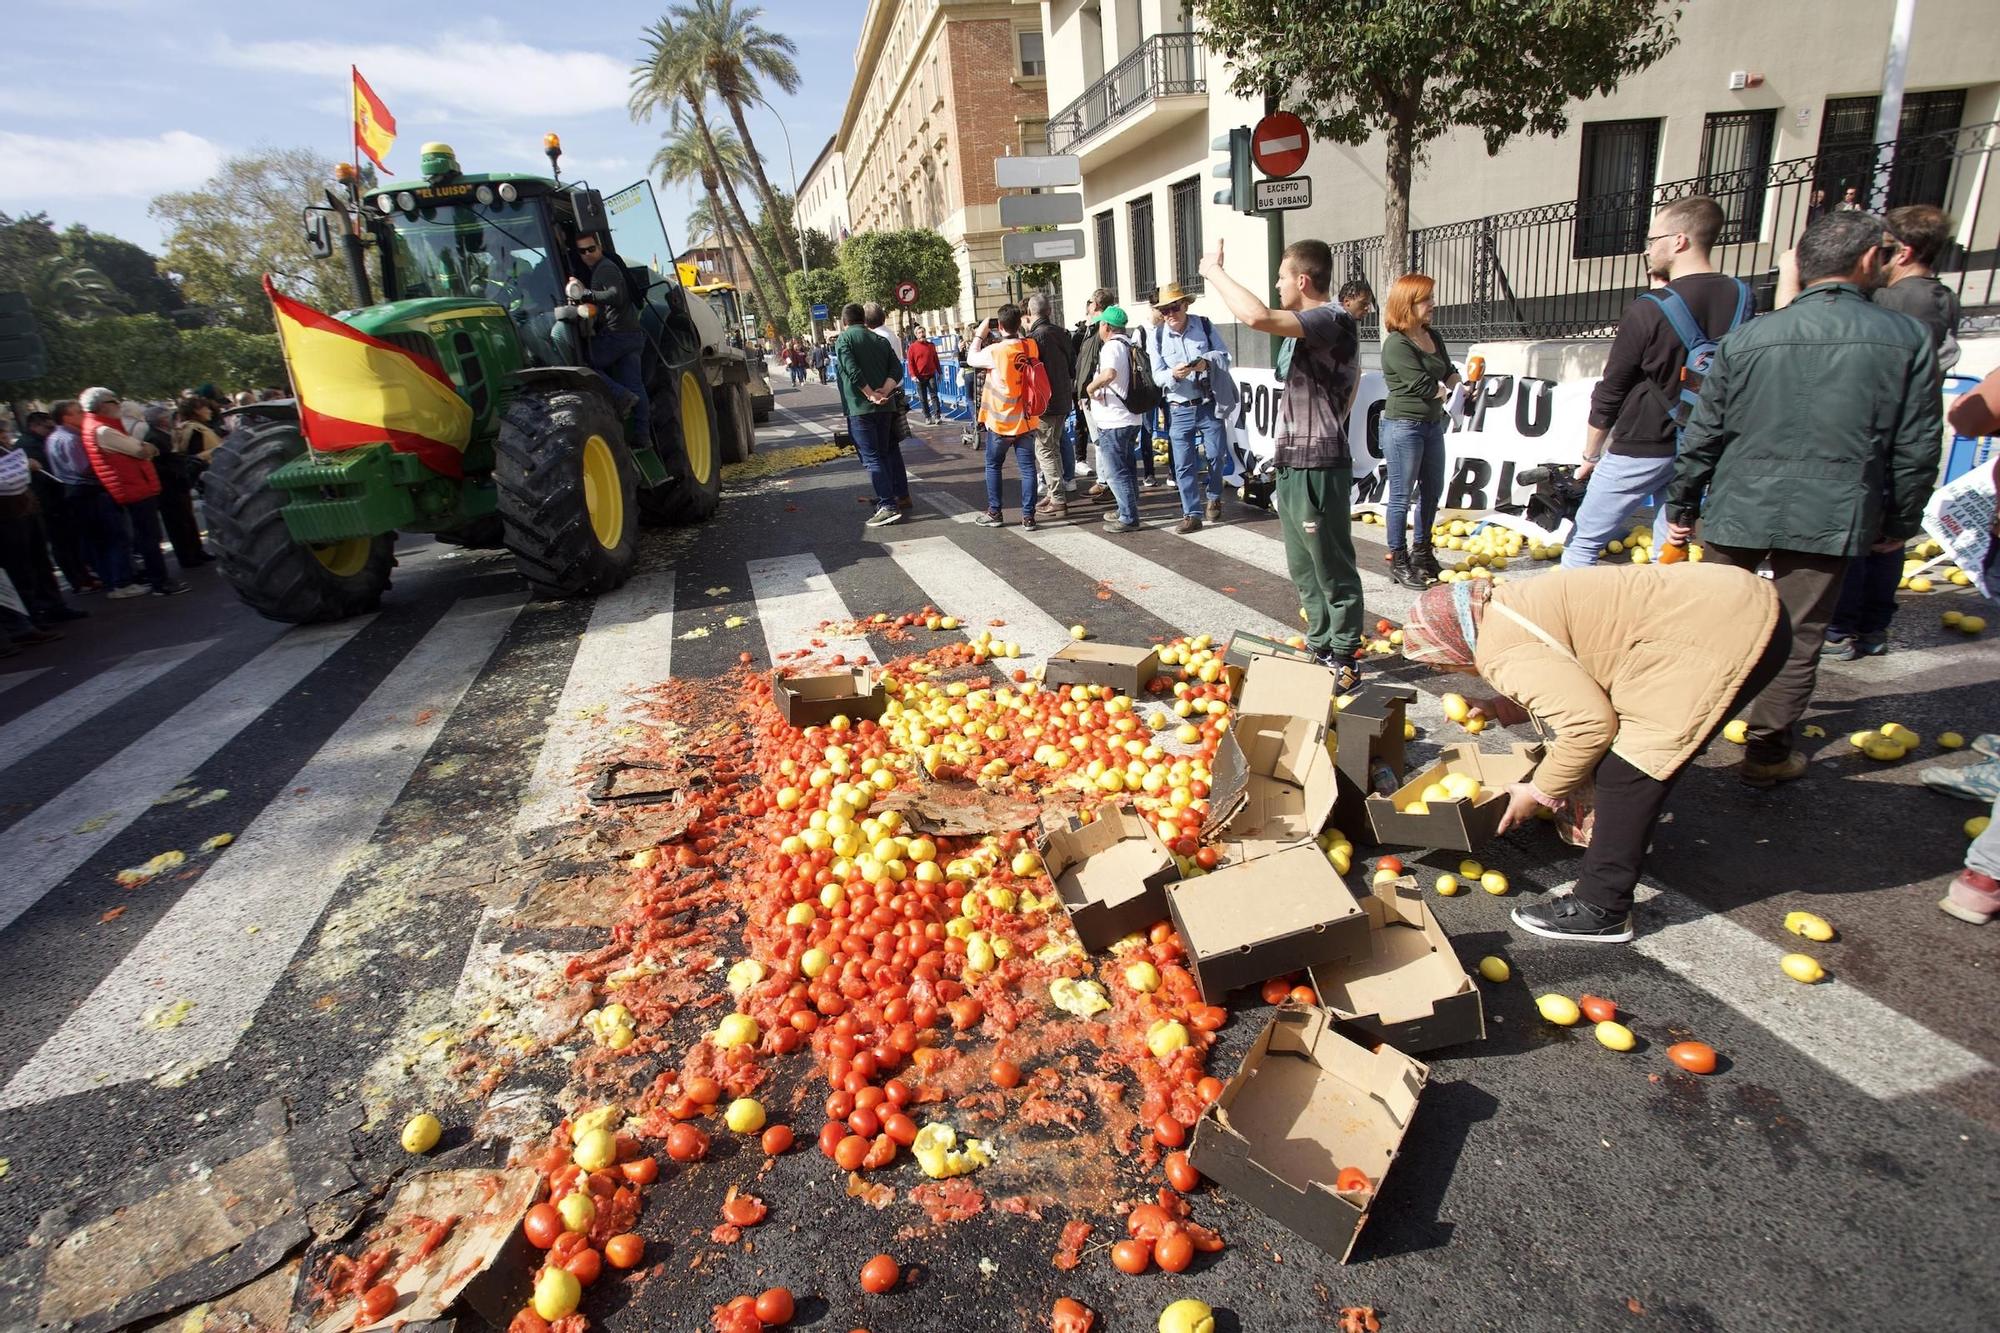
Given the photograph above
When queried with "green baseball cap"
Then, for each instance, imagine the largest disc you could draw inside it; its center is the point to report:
(1114, 315)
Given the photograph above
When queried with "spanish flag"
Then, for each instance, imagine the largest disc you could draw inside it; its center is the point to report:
(374, 127)
(356, 390)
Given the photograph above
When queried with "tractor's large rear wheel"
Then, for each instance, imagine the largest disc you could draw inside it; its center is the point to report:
(567, 489)
(735, 423)
(694, 464)
(277, 575)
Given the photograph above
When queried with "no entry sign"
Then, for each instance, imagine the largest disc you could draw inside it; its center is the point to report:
(1279, 144)
(906, 292)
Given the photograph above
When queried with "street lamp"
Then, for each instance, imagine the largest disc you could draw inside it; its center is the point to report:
(805, 255)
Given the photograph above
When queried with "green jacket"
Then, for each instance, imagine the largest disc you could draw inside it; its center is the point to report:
(865, 359)
(1818, 429)
(1412, 377)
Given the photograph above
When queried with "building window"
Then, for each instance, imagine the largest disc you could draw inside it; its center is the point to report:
(1144, 276)
(1033, 62)
(1736, 169)
(1925, 148)
(1615, 187)
(1107, 251)
(1184, 204)
(933, 199)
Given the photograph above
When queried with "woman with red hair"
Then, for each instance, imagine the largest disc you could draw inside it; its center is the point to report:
(1419, 375)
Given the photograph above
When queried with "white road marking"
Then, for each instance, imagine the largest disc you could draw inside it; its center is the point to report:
(958, 584)
(279, 876)
(13, 679)
(794, 598)
(812, 428)
(628, 645)
(42, 849)
(89, 697)
(1884, 1053)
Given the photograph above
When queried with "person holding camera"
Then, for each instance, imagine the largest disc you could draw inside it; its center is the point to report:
(1192, 363)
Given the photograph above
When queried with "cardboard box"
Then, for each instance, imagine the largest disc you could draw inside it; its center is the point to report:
(1244, 648)
(811, 701)
(1306, 1102)
(1124, 669)
(1370, 752)
(1272, 785)
(1457, 825)
(1290, 687)
(1256, 919)
(1112, 875)
(1410, 990)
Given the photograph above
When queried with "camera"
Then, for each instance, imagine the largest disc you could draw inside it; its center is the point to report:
(1557, 495)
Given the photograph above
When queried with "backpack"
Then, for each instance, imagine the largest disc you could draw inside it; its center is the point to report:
(1036, 387)
(1142, 395)
(1023, 395)
(1700, 347)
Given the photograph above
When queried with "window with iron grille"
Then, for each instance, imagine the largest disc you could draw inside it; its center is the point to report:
(1615, 187)
(1922, 171)
(1736, 168)
(1144, 270)
(1107, 250)
(1033, 61)
(1184, 206)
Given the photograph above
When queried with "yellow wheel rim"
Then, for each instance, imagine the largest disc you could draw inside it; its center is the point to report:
(343, 559)
(694, 429)
(603, 498)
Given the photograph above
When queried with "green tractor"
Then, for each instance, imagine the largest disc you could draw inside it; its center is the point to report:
(472, 270)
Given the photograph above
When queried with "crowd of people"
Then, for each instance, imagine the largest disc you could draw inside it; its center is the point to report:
(91, 490)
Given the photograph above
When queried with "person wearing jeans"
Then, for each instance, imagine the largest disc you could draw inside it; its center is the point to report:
(1420, 376)
(870, 374)
(1005, 410)
(1118, 428)
(1022, 446)
(124, 466)
(1191, 364)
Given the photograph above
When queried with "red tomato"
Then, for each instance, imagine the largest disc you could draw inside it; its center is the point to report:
(777, 1139)
(527, 1321)
(880, 1274)
(566, 1248)
(1350, 1179)
(895, 1091)
(830, 1136)
(1071, 1316)
(1181, 1173)
(1169, 1132)
(775, 1306)
(640, 1170)
(1147, 1222)
(900, 1128)
(1131, 1256)
(849, 1153)
(1394, 863)
(1303, 995)
(1208, 1017)
(1276, 991)
(624, 1251)
(703, 1089)
(1697, 1057)
(377, 1302)
(542, 1225)
(966, 1012)
(1207, 858)
(839, 1105)
(1005, 1074)
(585, 1265)
(865, 1122)
(685, 1143)
(1174, 1252)
(1208, 1089)
(1596, 1008)
(744, 1210)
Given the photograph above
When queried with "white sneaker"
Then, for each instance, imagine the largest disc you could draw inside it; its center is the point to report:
(129, 590)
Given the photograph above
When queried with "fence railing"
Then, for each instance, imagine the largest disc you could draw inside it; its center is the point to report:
(1568, 270)
(1164, 65)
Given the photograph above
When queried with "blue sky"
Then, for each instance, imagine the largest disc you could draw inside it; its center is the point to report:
(169, 88)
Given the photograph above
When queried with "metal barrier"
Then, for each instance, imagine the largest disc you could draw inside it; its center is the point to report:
(951, 389)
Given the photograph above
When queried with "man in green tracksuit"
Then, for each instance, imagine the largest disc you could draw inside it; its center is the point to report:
(1319, 368)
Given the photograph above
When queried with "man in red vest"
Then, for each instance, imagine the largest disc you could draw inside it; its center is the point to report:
(125, 467)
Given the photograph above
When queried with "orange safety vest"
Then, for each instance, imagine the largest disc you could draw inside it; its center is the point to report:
(1003, 407)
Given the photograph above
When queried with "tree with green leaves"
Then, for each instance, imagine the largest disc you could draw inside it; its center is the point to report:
(738, 54)
(873, 262)
(822, 286)
(683, 160)
(130, 269)
(58, 283)
(244, 223)
(1413, 70)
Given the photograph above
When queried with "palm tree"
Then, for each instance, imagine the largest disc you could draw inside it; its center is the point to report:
(737, 52)
(58, 285)
(671, 75)
(683, 159)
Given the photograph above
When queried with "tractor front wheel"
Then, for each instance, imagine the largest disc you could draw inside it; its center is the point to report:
(567, 493)
(693, 487)
(274, 573)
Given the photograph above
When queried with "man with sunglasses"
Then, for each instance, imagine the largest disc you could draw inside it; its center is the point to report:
(1191, 363)
(617, 347)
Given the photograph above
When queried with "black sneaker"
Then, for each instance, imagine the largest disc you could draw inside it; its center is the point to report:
(1028, 523)
(1570, 918)
(170, 590)
(63, 613)
(884, 516)
(989, 519)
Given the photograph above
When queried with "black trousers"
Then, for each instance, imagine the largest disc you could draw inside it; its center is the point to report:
(1629, 801)
(24, 554)
(177, 516)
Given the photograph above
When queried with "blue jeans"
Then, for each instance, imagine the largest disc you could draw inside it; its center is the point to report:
(1067, 443)
(618, 357)
(1415, 453)
(1199, 444)
(144, 519)
(1023, 446)
(1115, 447)
(881, 455)
(1867, 596)
(1619, 484)
(104, 534)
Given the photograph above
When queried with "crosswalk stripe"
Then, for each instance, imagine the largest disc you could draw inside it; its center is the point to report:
(17, 678)
(38, 726)
(958, 583)
(1382, 596)
(1852, 1035)
(44, 847)
(278, 878)
(794, 598)
(628, 645)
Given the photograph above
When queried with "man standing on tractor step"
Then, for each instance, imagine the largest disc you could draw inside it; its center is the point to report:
(617, 347)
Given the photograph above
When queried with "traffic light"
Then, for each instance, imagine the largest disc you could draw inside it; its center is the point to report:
(1236, 170)
(22, 356)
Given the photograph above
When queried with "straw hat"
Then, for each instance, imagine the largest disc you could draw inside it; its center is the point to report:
(1170, 293)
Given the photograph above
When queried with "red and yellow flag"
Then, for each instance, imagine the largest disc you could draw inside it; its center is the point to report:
(355, 390)
(374, 127)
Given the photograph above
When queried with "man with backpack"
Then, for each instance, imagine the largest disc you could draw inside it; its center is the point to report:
(1011, 403)
(1192, 363)
(1084, 342)
(1652, 376)
(1053, 461)
(1117, 422)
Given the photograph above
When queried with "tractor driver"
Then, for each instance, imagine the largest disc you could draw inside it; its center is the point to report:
(617, 347)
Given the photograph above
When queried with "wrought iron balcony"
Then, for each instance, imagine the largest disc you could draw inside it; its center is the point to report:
(1167, 64)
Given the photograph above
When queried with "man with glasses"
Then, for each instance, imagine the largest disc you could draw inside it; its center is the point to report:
(1628, 450)
(618, 346)
(1191, 363)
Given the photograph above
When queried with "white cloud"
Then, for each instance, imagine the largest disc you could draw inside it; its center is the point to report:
(479, 73)
(96, 167)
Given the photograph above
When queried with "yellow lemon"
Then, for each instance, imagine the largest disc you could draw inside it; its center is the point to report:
(1470, 869)
(1187, 1316)
(744, 1116)
(1494, 969)
(1810, 925)
(1616, 1036)
(595, 1150)
(1558, 1009)
(1447, 885)
(1884, 749)
(1802, 967)
(420, 1133)
(1860, 739)
(1737, 731)
(557, 1291)
(1950, 740)
(736, 1030)
(1972, 624)
(1977, 825)
(1493, 882)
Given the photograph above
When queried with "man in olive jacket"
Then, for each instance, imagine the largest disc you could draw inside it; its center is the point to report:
(1816, 440)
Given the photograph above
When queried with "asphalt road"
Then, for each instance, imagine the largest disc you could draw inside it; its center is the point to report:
(1835, 1173)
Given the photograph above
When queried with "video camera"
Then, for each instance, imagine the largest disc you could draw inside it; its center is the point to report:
(1557, 495)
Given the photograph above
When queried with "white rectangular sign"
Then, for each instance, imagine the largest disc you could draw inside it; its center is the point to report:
(1041, 247)
(1028, 173)
(1282, 195)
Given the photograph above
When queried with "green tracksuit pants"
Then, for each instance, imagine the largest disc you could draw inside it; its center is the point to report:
(1319, 549)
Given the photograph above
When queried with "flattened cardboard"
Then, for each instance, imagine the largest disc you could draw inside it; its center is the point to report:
(1306, 1102)
(1410, 990)
(1272, 785)
(1244, 648)
(1115, 666)
(1112, 875)
(811, 701)
(1253, 920)
(1370, 736)
(1458, 825)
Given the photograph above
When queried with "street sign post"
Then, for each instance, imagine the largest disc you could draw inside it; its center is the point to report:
(1280, 196)
(906, 292)
(1040, 210)
(821, 311)
(1279, 144)
(1041, 247)
(1035, 173)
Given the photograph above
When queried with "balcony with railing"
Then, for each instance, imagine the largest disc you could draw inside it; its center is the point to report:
(1163, 80)
(1569, 269)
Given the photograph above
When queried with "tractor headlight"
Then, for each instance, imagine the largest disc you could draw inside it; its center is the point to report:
(407, 202)
(484, 194)
(384, 203)
(509, 193)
